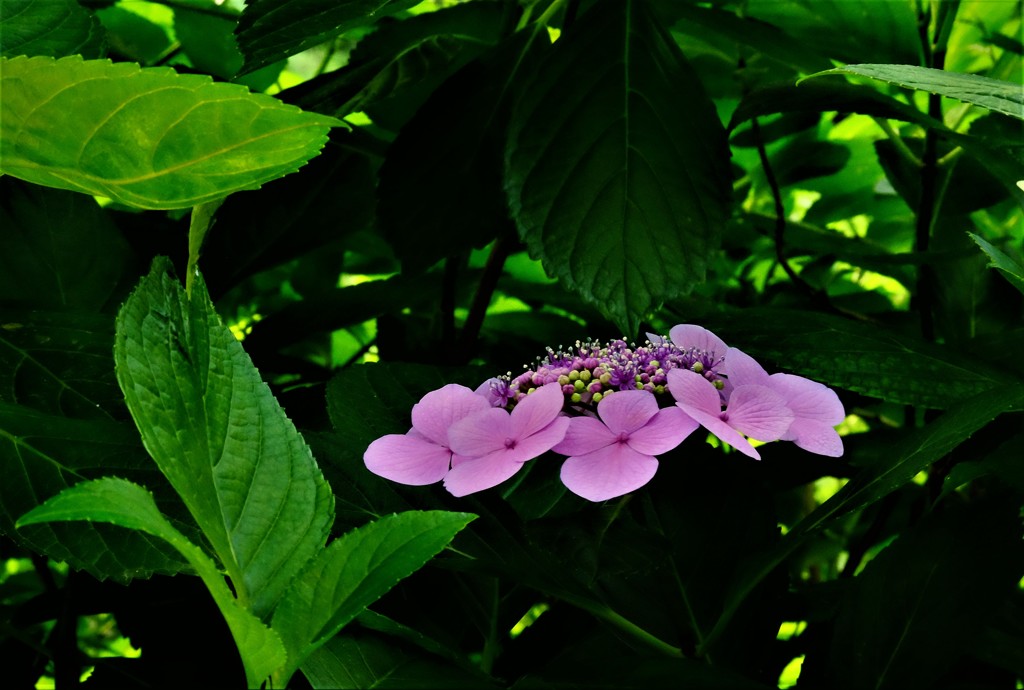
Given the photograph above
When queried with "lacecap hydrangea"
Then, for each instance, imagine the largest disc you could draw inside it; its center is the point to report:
(610, 409)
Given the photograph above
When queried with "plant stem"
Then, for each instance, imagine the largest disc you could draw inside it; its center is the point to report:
(897, 140)
(484, 291)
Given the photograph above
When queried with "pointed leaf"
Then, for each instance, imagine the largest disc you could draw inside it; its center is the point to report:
(1012, 270)
(220, 437)
(1002, 96)
(617, 167)
(146, 137)
(54, 28)
(271, 30)
(120, 502)
(356, 570)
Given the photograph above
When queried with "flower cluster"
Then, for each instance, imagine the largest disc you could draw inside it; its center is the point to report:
(611, 409)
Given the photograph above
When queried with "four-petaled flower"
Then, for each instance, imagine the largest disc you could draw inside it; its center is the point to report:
(423, 455)
(752, 410)
(499, 442)
(614, 455)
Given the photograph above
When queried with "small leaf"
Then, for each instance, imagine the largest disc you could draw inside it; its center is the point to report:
(271, 30)
(125, 504)
(1012, 270)
(146, 137)
(353, 572)
(220, 437)
(994, 94)
(53, 28)
(617, 166)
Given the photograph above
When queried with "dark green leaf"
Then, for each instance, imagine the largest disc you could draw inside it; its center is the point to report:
(41, 455)
(1001, 96)
(220, 437)
(54, 28)
(617, 167)
(920, 603)
(353, 572)
(59, 250)
(358, 660)
(271, 30)
(850, 30)
(149, 138)
(858, 356)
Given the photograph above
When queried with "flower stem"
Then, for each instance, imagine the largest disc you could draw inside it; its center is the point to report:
(484, 291)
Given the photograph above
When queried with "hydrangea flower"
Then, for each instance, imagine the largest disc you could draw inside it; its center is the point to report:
(816, 407)
(490, 446)
(423, 455)
(614, 455)
(752, 410)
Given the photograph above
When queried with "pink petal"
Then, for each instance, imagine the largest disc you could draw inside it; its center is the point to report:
(536, 410)
(437, 410)
(540, 442)
(654, 338)
(481, 433)
(666, 430)
(816, 437)
(608, 472)
(407, 459)
(694, 390)
(482, 473)
(720, 429)
(741, 369)
(584, 435)
(809, 399)
(758, 412)
(686, 336)
(627, 411)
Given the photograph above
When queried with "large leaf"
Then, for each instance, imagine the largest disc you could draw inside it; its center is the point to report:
(220, 437)
(994, 94)
(353, 572)
(854, 355)
(271, 30)
(43, 454)
(617, 166)
(54, 28)
(146, 137)
(1012, 270)
(125, 504)
(923, 600)
(59, 250)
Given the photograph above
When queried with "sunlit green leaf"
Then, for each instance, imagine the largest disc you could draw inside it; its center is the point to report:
(354, 571)
(220, 437)
(617, 165)
(149, 137)
(994, 94)
(54, 28)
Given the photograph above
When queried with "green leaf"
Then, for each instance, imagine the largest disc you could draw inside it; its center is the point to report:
(353, 572)
(850, 30)
(53, 28)
(617, 166)
(59, 250)
(220, 437)
(1001, 96)
(855, 355)
(271, 30)
(919, 605)
(146, 137)
(43, 454)
(1010, 269)
(120, 502)
(354, 661)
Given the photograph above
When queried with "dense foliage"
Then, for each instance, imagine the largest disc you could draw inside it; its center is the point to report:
(239, 242)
